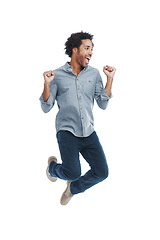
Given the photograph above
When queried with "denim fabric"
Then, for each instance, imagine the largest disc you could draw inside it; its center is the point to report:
(90, 148)
(75, 99)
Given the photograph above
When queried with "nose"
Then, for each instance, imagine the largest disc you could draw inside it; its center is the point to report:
(90, 53)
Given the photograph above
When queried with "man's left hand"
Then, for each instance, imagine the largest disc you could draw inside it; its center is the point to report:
(109, 71)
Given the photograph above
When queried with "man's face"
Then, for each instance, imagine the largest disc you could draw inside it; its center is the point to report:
(84, 53)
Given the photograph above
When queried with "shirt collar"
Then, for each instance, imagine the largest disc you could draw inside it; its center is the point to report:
(69, 68)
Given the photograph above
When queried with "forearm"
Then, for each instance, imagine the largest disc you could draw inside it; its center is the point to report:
(108, 86)
(46, 91)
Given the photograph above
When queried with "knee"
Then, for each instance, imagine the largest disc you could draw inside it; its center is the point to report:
(103, 174)
(106, 173)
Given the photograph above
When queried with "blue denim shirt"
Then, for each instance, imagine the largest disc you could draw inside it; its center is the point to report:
(75, 99)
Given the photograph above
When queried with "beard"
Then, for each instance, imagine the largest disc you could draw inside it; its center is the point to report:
(82, 61)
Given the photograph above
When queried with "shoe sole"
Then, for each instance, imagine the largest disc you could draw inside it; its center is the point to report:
(64, 198)
(51, 159)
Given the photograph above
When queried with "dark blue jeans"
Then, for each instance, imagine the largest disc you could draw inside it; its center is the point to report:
(90, 148)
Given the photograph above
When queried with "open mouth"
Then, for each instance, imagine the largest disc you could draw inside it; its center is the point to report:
(87, 60)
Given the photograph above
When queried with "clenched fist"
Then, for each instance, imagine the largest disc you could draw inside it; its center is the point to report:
(48, 76)
(109, 71)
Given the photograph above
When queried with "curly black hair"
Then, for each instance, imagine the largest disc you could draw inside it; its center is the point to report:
(74, 41)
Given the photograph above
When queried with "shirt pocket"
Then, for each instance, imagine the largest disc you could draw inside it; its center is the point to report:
(88, 87)
(62, 91)
(64, 85)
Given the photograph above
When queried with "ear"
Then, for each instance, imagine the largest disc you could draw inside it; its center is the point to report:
(74, 50)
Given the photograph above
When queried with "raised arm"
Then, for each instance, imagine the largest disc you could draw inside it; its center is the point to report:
(109, 72)
(49, 92)
(48, 78)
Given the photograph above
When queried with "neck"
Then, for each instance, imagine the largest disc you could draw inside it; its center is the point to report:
(76, 67)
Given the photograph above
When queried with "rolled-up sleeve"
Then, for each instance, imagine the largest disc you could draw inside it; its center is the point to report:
(47, 106)
(100, 93)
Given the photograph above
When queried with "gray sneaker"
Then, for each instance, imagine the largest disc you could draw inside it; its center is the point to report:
(51, 159)
(67, 195)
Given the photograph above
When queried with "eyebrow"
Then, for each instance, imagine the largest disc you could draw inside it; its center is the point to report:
(89, 46)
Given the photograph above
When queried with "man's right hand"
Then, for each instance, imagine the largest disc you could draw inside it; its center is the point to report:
(48, 76)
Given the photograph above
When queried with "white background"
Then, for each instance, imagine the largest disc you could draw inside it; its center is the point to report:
(126, 36)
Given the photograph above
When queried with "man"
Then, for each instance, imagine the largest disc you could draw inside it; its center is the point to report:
(75, 86)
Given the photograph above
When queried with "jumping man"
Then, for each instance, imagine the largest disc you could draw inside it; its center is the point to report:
(75, 86)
